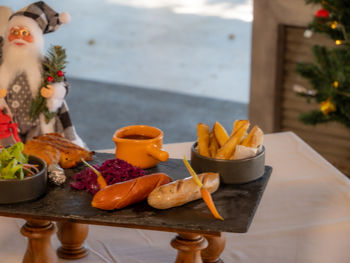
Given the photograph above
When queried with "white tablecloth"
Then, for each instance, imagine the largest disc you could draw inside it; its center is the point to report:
(304, 216)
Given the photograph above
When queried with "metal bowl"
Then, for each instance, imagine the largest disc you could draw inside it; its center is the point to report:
(231, 171)
(30, 188)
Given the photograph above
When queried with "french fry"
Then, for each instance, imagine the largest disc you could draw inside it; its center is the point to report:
(203, 139)
(226, 151)
(254, 138)
(220, 133)
(238, 124)
(213, 144)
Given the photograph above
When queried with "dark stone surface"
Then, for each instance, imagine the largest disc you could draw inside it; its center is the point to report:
(99, 109)
(236, 203)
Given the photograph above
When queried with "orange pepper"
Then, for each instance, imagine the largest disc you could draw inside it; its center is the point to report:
(100, 179)
(204, 192)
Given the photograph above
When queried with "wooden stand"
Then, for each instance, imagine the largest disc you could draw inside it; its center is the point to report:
(39, 248)
(189, 247)
(72, 237)
(192, 248)
(216, 245)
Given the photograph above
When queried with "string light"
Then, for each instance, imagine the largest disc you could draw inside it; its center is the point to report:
(334, 24)
(338, 42)
(336, 84)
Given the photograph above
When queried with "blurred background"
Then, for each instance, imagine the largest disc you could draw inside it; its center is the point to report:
(197, 48)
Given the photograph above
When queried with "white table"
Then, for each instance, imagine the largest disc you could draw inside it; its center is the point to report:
(304, 216)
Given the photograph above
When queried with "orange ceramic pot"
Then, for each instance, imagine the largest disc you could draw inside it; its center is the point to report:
(140, 145)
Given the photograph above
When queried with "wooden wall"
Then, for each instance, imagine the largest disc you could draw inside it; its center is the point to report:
(270, 18)
(332, 140)
(278, 44)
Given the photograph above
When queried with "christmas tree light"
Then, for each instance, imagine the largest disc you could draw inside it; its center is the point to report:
(329, 74)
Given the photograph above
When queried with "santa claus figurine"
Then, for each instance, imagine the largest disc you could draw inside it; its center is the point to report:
(22, 71)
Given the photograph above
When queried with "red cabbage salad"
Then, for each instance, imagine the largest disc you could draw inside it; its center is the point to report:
(113, 170)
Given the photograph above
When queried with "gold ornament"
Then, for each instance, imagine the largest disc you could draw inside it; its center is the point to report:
(334, 24)
(336, 84)
(327, 106)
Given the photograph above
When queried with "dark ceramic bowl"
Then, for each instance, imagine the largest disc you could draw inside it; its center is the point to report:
(231, 171)
(30, 188)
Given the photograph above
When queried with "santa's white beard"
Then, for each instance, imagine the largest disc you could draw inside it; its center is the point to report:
(19, 59)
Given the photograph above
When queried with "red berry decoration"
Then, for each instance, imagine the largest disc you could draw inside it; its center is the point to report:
(49, 79)
(322, 13)
(60, 73)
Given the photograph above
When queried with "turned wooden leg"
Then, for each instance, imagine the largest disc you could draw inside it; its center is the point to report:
(72, 237)
(216, 244)
(189, 247)
(39, 248)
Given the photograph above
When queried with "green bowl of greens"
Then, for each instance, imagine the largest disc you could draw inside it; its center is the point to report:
(22, 177)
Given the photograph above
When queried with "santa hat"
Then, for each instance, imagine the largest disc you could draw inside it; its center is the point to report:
(47, 19)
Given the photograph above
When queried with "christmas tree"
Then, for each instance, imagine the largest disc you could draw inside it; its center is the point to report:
(329, 74)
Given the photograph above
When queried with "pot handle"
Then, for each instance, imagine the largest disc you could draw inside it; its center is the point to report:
(157, 153)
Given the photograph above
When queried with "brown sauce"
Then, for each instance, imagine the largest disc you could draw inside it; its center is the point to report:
(137, 137)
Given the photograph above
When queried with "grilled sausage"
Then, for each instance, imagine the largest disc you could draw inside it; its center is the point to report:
(119, 195)
(182, 191)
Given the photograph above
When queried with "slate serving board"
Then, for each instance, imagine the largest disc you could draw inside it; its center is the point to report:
(236, 203)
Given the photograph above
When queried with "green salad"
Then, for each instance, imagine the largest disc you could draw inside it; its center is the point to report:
(14, 163)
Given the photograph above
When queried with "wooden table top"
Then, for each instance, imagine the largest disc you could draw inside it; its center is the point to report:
(236, 203)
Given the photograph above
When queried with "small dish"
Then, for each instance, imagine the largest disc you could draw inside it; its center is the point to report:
(140, 145)
(30, 188)
(231, 171)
